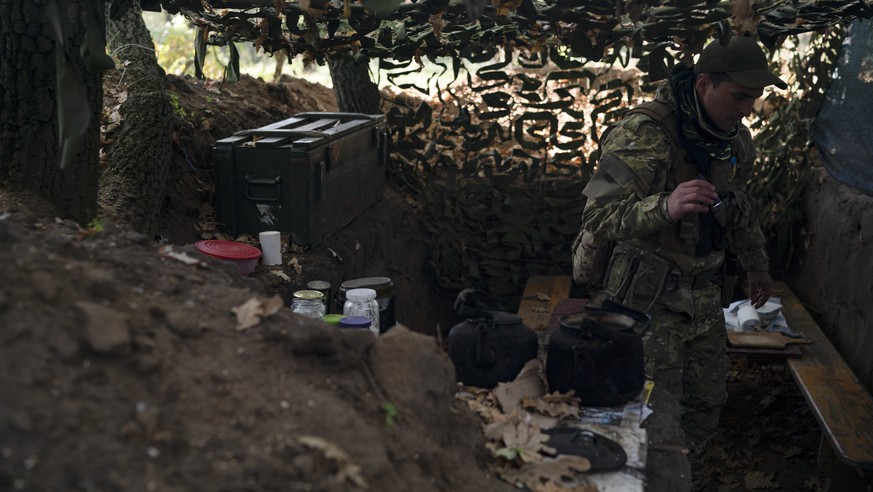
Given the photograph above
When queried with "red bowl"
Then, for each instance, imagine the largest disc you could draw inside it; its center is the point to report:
(245, 257)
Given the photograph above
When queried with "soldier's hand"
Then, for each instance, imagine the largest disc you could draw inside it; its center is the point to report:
(691, 196)
(760, 287)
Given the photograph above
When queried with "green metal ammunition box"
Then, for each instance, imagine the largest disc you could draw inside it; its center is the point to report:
(307, 176)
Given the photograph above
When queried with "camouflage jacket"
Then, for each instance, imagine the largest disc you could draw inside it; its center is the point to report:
(627, 197)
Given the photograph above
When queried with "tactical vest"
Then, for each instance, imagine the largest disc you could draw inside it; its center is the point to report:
(682, 237)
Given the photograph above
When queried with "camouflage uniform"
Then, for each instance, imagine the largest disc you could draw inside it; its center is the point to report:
(654, 266)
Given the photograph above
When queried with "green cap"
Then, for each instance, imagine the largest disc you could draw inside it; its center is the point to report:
(742, 59)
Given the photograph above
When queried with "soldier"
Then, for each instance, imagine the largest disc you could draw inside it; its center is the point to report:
(669, 194)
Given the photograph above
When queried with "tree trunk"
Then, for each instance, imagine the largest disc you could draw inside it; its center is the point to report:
(355, 92)
(138, 151)
(29, 131)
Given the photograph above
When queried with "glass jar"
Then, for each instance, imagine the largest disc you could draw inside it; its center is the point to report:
(309, 303)
(362, 302)
(386, 296)
(356, 322)
(322, 286)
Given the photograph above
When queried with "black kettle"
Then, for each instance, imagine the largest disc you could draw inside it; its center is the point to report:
(490, 346)
(598, 353)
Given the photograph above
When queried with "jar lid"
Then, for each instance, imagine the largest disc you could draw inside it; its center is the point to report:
(332, 319)
(318, 285)
(361, 294)
(382, 285)
(309, 294)
(355, 322)
(228, 250)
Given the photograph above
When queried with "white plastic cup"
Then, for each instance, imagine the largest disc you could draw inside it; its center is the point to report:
(271, 247)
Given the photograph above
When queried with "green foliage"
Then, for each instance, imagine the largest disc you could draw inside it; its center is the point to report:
(178, 110)
(390, 412)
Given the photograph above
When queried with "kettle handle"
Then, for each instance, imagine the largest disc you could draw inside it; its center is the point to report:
(465, 305)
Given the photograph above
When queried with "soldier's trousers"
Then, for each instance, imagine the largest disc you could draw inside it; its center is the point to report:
(686, 356)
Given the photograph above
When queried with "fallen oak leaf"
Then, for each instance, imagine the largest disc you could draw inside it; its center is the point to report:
(281, 275)
(250, 313)
(548, 474)
(167, 250)
(347, 470)
(527, 440)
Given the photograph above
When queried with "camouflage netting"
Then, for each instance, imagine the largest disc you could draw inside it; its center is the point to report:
(523, 89)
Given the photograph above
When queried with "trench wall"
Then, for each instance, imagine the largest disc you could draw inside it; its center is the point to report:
(835, 277)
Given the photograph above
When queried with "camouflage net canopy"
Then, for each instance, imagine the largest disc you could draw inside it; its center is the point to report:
(519, 92)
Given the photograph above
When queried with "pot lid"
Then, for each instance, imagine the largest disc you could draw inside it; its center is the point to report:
(499, 317)
(615, 321)
(603, 453)
(228, 250)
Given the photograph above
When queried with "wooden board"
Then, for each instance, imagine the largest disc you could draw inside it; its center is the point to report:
(791, 351)
(764, 339)
(541, 294)
(843, 407)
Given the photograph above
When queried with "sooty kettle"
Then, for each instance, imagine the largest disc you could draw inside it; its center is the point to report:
(598, 353)
(490, 346)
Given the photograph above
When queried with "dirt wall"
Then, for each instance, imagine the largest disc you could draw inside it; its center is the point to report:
(834, 278)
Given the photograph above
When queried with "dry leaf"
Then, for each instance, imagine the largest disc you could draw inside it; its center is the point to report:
(548, 474)
(249, 313)
(347, 470)
(182, 256)
(746, 18)
(553, 408)
(526, 441)
(295, 264)
(281, 275)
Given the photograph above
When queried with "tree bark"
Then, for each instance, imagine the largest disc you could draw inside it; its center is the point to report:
(137, 153)
(355, 92)
(29, 131)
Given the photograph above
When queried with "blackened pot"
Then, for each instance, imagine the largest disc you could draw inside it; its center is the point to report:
(489, 346)
(598, 353)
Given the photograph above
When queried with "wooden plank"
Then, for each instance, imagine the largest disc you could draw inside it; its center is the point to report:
(541, 294)
(843, 407)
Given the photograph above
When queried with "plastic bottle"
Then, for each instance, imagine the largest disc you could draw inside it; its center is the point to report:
(309, 303)
(362, 302)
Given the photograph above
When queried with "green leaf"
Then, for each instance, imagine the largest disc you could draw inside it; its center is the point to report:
(390, 412)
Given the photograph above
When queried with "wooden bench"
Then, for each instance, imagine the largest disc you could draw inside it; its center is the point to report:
(841, 404)
(541, 294)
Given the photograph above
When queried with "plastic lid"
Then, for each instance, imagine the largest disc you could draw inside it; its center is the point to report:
(361, 294)
(332, 319)
(318, 285)
(355, 322)
(228, 250)
(372, 282)
(309, 294)
(382, 285)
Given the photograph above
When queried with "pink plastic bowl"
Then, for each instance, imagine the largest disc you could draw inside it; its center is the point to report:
(242, 255)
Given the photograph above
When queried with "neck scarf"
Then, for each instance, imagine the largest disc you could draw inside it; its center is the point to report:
(703, 140)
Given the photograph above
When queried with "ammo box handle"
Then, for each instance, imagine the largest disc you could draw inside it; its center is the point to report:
(254, 183)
